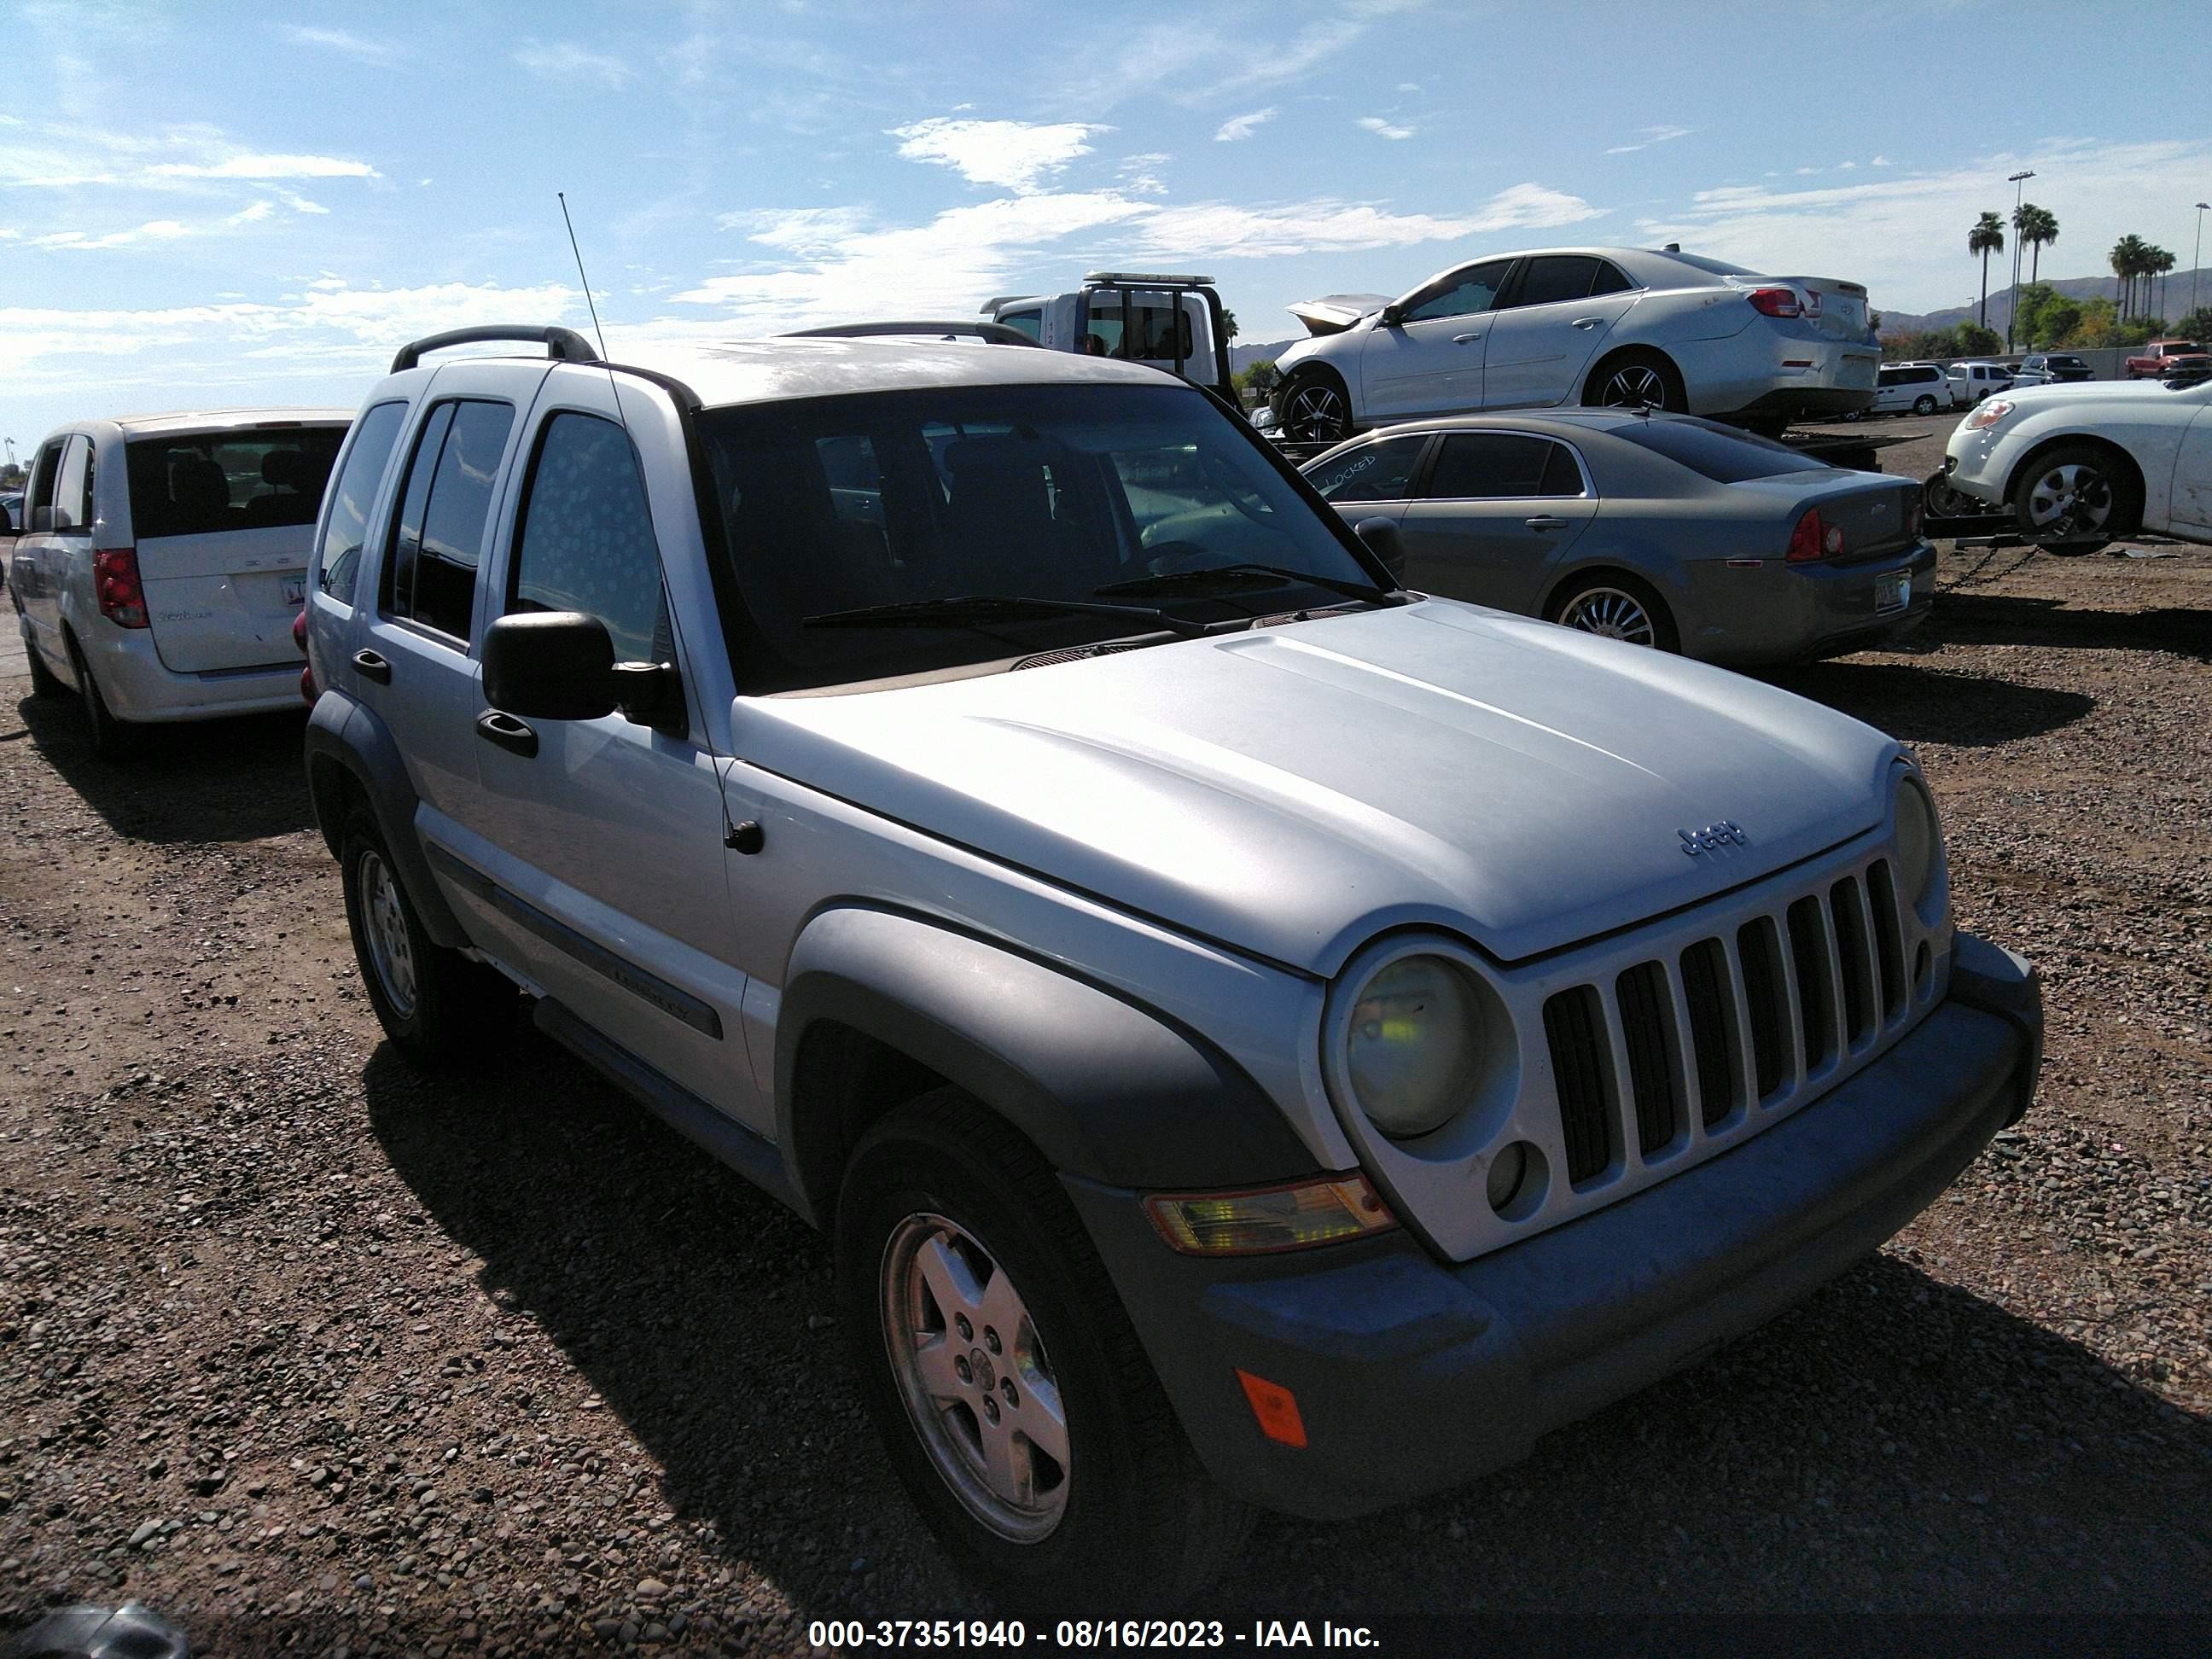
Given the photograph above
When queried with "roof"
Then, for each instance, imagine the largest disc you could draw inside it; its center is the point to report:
(1562, 422)
(203, 420)
(767, 371)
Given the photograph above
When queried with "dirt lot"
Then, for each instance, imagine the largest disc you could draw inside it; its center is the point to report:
(308, 1352)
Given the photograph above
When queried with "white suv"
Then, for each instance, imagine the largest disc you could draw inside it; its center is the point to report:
(1253, 1034)
(1910, 388)
(160, 568)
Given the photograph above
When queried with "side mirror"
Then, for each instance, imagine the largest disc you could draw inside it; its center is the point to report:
(1382, 537)
(550, 666)
(1391, 315)
(42, 520)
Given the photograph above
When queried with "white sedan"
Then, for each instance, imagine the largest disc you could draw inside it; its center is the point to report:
(2080, 464)
(1600, 326)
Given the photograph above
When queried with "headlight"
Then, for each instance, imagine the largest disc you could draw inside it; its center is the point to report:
(1414, 1044)
(1989, 412)
(1917, 838)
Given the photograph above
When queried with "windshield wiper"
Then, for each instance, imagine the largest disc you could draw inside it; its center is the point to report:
(1210, 575)
(979, 608)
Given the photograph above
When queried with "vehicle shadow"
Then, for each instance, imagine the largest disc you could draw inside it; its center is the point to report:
(242, 779)
(1895, 1442)
(1966, 618)
(1930, 705)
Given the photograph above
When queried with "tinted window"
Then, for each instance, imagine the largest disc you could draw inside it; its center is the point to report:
(1038, 491)
(1890, 377)
(1490, 465)
(1376, 473)
(1160, 328)
(1611, 279)
(73, 487)
(445, 513)
(42, 479)
(2066, 362)
(209, 482)
(587, 538)
(1558, 277)
(337, 556)
(1030, 323)
(1718, 452)
(1464, 294)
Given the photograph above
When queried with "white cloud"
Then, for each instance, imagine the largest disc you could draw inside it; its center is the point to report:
(1238, 128)
(1651, 136)
(1879, 161)
(1807, 172)
(1141, 174)
(248, 165)
(1209, 54)
(1383, 128)
(154, 230)
(357, 47)
(1017, 155)
(1222, 231)
(1847, 167)
(1409, 85)
(564, 60)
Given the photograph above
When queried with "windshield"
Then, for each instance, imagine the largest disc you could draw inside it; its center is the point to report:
(1049, 492)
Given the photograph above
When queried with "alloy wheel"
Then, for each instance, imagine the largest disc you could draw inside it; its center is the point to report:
(1612, 614)
(973, 1374)
(1315, 413)
(2069, 502)
(390, 950)
(1634, 385)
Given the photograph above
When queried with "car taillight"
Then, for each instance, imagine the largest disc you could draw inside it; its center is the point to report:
(1912, 517)
(300, 632)
(1812, 539)
(1777, 302)
(115, 580)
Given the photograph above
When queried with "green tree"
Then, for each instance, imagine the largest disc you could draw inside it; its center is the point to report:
(1987, 237)
(1975, 341)
(1228, 324)
(2196, 325)
(1256, 380)
(2035, 226)
(2032, 318)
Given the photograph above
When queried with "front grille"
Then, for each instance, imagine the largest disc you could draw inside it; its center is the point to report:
(1822, 976)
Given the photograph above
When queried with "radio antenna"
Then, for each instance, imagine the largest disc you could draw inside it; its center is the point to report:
(561, 197)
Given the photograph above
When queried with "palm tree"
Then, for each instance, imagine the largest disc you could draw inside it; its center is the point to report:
(2127, 259)
(2161, 262)
(1987, 237)
(2037, 225)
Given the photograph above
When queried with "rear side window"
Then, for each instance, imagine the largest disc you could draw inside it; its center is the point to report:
(73, 486)
(1030, 323)
(444, 514)
(1611, 279)
(1558, 277)
(586, 542)
(1502, 465)
(42, 481)
(337, 556)
(1378, 472)
(209, 482)
(1890, 377)
(1718, 452)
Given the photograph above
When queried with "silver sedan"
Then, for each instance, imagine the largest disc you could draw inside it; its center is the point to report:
(1661, 529)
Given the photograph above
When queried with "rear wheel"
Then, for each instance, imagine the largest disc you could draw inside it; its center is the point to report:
(1313, 409)
(44, 683)
(1617, 606)
(2073, 500)
(111, 738)
(437, 1006)
(1636, 379)
(1003, 1375)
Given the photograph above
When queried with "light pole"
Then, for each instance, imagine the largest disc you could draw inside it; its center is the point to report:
(2196, 259)
(2018, 181)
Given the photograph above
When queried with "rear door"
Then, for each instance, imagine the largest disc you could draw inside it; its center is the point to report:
(1496, 513)
(1560, 310)
(1374, 480)
(223, 520)
(1429, 361)
(2193, 472)
(41, 550)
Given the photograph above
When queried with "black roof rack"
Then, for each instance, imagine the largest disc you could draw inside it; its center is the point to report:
(994, 333)
(564, 343)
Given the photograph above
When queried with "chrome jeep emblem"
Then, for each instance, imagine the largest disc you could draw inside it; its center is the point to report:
(1712, 837)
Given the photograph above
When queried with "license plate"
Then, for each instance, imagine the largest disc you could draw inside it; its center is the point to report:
(1893, 592)
(295, 590)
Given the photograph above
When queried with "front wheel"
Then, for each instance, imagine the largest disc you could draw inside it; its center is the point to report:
(2073, 500)
(1313, 409)
(1617, 607)
(1007, 1384)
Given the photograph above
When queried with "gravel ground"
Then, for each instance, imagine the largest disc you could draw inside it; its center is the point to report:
(311, 1353)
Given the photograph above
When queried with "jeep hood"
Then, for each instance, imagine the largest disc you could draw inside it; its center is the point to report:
(1294, 791)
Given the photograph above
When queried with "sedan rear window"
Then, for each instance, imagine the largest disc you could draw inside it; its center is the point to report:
(204, 483)
(1718, 452)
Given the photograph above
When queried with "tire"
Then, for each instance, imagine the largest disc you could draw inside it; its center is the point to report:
(1924, 405)
(1635, 380)
(1941, 499)
(1107, 1503)
(1314, 408)
(44, 683)
(2073, 500)
(1616, 606)
(111, 738)
(438, 1007)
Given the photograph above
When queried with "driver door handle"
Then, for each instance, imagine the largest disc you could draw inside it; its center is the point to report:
(1465, 339)
(372, 666)
(1545, 521)
(508, 733)
(1586, 322)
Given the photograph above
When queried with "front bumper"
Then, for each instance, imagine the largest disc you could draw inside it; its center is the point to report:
(1412, 1375)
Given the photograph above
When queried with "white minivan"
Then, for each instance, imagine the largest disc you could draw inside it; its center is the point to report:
(1910, 388)
(160, 564)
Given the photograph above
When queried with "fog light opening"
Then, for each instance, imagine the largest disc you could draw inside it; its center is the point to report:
(1517, 1181)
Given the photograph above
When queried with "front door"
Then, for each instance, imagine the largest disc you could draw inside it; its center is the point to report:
(1429, 360)
(606, 836)
(2192, 472)
(1560, 313)
(1495, 515)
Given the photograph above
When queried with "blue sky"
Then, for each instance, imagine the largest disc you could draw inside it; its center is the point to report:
(203, 205)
